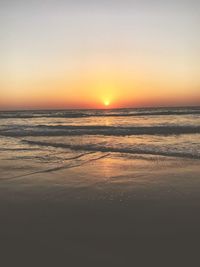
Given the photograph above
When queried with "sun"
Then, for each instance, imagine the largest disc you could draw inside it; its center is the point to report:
(107, 102)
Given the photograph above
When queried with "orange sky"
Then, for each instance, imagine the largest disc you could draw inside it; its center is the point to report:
(84, 56)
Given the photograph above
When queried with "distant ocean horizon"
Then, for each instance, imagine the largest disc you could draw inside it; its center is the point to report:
(15, 109)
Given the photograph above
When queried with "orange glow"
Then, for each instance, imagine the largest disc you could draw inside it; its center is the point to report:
(94, 89)
(107, 58)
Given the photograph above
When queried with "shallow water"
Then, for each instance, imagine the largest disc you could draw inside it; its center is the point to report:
(41, 134)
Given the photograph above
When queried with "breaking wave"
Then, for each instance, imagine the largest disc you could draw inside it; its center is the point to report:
(71, 130)
(101, 113)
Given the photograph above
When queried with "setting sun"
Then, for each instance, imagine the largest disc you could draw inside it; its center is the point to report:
(106, 102)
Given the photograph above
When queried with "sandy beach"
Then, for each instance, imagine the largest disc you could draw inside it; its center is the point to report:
(107, 212)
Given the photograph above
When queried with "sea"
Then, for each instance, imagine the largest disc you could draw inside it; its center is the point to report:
(57, 138)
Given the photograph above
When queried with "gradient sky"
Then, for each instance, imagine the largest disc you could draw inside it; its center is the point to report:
(80, 54)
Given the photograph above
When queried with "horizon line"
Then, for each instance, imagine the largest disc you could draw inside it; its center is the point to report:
(62, 109)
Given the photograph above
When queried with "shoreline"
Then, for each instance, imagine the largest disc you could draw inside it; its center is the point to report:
(112, 212)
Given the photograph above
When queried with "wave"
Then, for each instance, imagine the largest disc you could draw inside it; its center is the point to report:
(108, 149)
(101, 113)
(71, 130)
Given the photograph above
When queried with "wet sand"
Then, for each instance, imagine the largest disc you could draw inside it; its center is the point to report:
(109, 212)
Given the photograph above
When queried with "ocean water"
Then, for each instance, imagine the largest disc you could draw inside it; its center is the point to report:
(56, 138)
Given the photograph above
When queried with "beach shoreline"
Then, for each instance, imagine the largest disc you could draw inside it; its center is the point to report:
(85, 217)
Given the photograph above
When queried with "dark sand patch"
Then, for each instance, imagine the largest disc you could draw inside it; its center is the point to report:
(110, 212)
